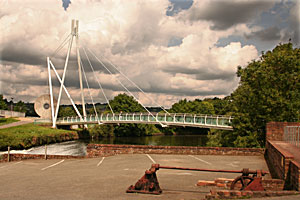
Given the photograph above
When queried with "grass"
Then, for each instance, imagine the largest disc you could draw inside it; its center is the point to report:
(29, 135)
(4, 121)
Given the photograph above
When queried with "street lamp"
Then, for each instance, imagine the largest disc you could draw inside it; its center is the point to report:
(11, 106)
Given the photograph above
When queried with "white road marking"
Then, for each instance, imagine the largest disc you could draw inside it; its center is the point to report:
(100, 162)
(151, 158)
(53, 165)
(11, 164)
(200, 160)
(232, 164)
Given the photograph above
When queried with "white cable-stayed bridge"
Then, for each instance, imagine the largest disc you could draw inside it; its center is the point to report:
(163, 118)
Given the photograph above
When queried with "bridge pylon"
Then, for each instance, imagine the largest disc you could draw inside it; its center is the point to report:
(54, 111)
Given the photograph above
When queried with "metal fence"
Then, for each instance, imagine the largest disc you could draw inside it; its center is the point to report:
(8, 113)
(292, 135)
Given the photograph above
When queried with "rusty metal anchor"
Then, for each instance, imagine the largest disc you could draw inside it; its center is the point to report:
(148, 184)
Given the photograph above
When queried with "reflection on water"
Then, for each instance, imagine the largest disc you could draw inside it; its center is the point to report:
(169, 140)
(74, 148)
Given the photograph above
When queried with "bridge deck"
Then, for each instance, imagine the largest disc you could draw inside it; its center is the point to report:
(164, 119)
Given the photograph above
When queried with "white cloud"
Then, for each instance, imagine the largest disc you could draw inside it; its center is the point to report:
(133, 35)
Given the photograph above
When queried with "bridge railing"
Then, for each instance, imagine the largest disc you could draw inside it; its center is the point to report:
(154, 118)
(292, 135)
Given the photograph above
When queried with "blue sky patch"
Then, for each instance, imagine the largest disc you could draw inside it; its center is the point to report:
(178, 5)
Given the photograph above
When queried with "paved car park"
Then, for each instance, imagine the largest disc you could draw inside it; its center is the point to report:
(109, 177)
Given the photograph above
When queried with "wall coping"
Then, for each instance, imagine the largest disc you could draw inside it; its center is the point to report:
(175, 147)
(282, 151)
(296, 163)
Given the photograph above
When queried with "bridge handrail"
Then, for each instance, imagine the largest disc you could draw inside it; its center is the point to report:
(165, 118)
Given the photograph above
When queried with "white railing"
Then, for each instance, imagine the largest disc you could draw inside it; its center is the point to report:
(176, 119)
(292, 135)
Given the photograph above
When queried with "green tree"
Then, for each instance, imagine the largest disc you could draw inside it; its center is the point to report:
(20, 107)
(66, 112)
(195, 107)
(127, 104)
(98, 131)
(269, 90)
(3, 105)
(221, 106)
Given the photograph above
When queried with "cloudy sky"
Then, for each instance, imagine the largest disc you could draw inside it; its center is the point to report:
(172, 49)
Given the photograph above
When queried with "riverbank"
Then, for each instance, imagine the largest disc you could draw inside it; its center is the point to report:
(4, 121)
(30, 135)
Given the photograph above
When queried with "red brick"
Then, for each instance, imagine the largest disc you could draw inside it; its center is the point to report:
(223, 180)
(206, 183)
(221, 185)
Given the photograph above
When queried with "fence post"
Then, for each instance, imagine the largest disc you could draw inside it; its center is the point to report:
(298, 141)
(45, 152)
(8, 152)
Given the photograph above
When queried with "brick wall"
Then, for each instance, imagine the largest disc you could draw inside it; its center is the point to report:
(293, 182)
(17, 157)
(275, 130)
(278, 160)
(97, 150)
(282, 165)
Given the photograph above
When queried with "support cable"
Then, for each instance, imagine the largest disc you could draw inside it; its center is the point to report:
(63, 79)
(59, 48)
(126, 88)
(65, 41)
(136, 85)
(87, 84)
(98, 81)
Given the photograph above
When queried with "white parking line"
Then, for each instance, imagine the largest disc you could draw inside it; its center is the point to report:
(200, 160)
(11, 164)
(233, 164)
(53, 165)
(151, 158)
(100, 162)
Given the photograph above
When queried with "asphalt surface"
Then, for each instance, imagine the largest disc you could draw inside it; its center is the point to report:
(109, 177)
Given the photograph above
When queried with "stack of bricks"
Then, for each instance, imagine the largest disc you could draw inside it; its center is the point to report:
(268, 184)
(273, 187)
(219, 182)
(236, 194)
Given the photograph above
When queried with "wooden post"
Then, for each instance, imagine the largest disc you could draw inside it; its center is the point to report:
(45, 152)
(8, 152)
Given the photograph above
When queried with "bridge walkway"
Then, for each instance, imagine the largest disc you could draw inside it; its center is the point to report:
(164, 119)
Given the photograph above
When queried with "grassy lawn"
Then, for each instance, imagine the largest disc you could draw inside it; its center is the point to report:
(4, 121)
(28, 135)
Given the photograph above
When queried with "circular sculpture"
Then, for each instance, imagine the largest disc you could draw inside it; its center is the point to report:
(42, 106)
